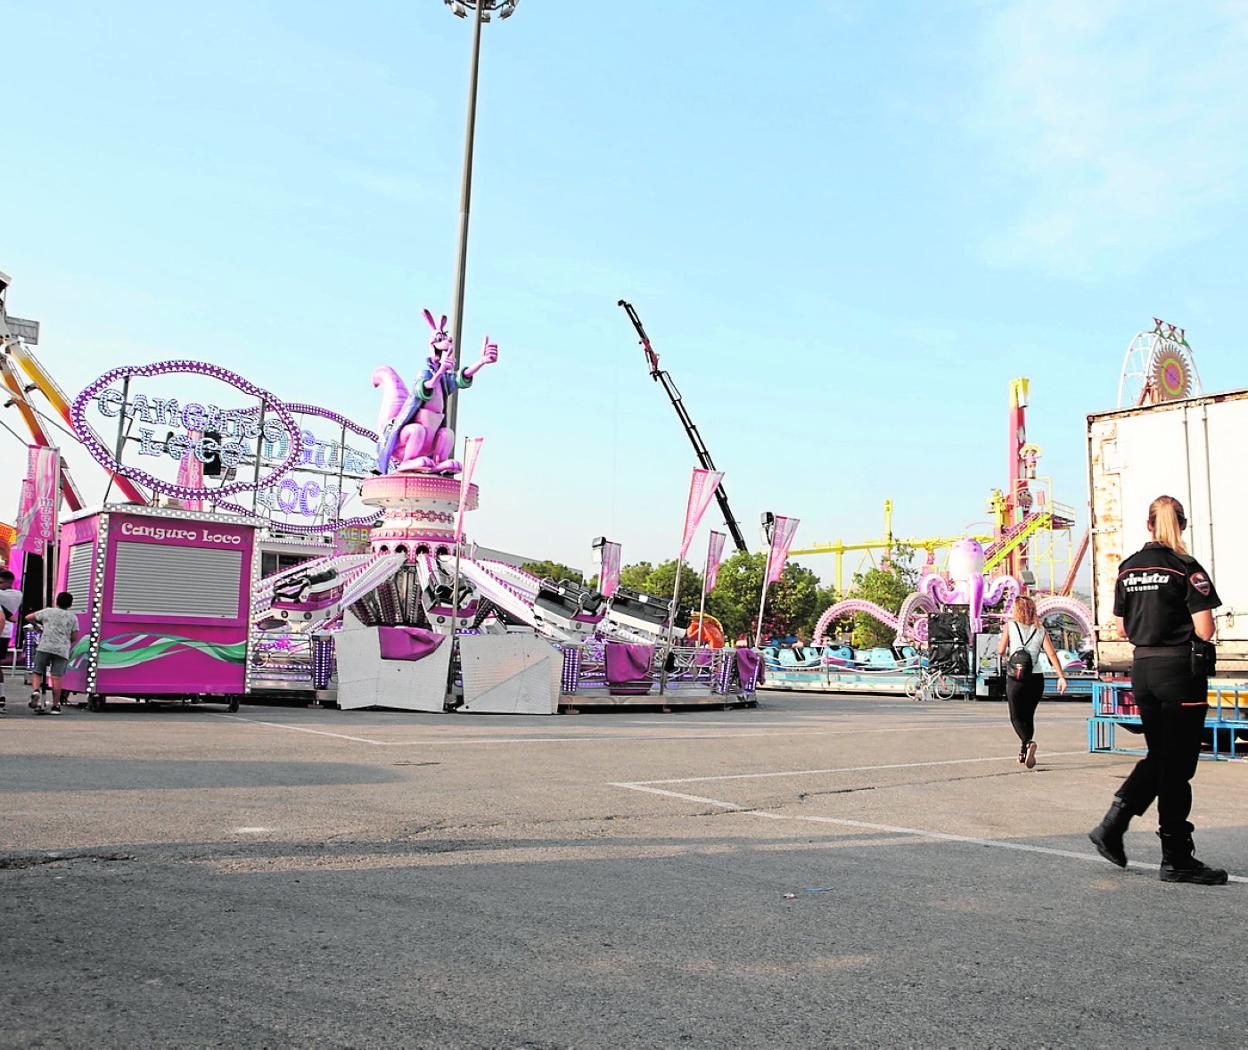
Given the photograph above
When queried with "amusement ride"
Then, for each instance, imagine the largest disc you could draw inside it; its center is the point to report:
(350, 563)
(318, 553)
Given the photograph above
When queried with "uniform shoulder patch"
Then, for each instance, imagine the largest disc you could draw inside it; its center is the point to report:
(1201, 582)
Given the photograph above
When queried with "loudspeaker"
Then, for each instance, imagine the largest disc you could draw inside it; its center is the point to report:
(213, 464)
(950, 627)
(948, 658)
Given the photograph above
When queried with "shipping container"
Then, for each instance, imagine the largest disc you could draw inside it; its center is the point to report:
(1197, 451)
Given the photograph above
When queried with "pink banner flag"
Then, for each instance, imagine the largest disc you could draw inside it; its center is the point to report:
(472, 449)
(702, 488)
(25, 516)
(191, 474)
(609, 570)
(781, 540)
(37, 514)
(714, 551)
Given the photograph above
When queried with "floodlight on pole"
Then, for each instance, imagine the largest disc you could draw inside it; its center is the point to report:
(483, 11)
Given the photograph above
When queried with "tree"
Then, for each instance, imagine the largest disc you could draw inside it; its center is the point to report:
(553, 570)
(662, 579)
(634, 575)
(887, 586)
(791, 602)
(825, 598)
(658, 581)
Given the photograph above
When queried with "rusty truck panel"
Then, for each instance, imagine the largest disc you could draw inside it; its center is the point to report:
(1193, 450)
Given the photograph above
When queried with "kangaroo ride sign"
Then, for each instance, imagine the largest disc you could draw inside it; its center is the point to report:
(294, 459)
(336, 455)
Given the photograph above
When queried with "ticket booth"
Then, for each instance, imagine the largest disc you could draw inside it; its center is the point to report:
(163, 599)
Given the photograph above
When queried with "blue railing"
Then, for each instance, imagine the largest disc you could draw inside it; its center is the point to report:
(1113, 709)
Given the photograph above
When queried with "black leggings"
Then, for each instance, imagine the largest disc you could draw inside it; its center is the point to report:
(1023, 696)
(1172, 704)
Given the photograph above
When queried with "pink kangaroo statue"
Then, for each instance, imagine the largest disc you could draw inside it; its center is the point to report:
(414, 435)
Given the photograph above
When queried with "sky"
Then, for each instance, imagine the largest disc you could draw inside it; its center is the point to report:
(845, 226)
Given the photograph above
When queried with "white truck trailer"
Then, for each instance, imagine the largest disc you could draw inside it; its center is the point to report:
(1197, 451)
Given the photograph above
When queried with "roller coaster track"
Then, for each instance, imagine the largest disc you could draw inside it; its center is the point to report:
(1015, 536)
(1068, 584)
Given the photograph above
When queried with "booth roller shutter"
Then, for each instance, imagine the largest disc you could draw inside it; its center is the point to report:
(151, 579)
(78, 578)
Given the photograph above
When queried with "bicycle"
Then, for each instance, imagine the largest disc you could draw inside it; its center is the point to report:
(926, 684)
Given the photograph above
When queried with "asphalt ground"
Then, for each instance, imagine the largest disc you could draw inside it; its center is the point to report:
(818, 871)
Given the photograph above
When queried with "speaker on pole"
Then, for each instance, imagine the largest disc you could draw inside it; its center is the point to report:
(952, 626)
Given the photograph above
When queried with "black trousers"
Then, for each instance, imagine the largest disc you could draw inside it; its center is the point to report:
(1023, 697)
(1172, 703)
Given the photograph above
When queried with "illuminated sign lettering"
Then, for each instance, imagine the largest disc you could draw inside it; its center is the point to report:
(160, 533)
(268, 449)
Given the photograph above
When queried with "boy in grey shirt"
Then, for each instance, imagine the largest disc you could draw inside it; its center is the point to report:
(60, 628)
(10, 604)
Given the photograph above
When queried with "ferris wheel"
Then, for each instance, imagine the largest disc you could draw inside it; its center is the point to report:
(1158, 366)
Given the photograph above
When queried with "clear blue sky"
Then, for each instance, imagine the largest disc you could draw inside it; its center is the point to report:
(846, 226)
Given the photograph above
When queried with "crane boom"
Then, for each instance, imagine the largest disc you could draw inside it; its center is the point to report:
(662, 376)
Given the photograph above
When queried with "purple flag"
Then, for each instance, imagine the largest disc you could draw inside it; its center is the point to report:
(37, 514)
(702, 486)
(714, 550)
(472, 449)
(609, 570)
(191, 474)
(781, 540)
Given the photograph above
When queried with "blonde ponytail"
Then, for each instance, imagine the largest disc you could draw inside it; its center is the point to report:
(1167, 521)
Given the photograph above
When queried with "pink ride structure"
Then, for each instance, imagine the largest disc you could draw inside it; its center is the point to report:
(177, 597)
(1020, 513)
(173, 603)
(965, 586)
(521, 643)
(412, 424)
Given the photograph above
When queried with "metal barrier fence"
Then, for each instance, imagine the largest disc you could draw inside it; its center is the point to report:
(1226, 725)
(699, 671)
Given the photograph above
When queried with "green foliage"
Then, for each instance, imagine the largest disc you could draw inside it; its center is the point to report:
(886, 585)
(825, 598)
(792, 602)
(635, 575)
(659, 581)
(554, 570)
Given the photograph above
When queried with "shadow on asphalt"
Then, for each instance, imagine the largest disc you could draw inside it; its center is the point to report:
(46, 773)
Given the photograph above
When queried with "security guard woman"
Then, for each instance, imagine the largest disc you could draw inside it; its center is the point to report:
(1164, 602)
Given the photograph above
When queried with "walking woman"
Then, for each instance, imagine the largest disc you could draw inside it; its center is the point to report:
(1164, 602)
(1023, 639)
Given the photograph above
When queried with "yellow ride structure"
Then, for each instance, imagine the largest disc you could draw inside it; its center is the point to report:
(839, 548)
(1029, 529)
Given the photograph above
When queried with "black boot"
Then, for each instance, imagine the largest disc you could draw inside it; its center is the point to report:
(1178, 863)
(1107, 835)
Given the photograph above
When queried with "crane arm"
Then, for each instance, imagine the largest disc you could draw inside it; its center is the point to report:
(663, 377)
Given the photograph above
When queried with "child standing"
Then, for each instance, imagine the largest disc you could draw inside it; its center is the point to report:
(60, 628)
(10, 604)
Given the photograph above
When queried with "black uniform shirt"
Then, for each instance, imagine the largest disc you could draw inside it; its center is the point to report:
(1158, 589)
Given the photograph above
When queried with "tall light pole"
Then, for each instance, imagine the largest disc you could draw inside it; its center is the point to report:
(482, 11)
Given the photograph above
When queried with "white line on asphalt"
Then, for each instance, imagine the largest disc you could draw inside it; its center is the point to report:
(598, 738)
(845, 822)
(842, 769)
(302, 729)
